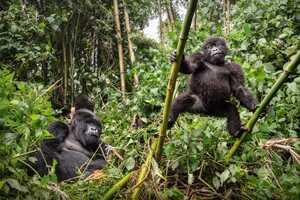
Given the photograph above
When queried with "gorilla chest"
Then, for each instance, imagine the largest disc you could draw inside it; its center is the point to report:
(213, 81)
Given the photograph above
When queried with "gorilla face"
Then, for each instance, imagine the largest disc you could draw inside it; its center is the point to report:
(215, 50)
(86, 127)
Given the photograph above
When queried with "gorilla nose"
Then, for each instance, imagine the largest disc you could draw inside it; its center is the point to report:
(215, 50)
(93, 131)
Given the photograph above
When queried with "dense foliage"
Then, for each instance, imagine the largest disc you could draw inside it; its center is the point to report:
(263, 36)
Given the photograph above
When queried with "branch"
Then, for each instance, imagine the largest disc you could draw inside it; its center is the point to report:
(144, 171)
(286, 71)
(116, 187)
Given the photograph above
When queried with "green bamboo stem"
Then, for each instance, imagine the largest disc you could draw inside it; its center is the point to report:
(288, 69)
(110, 194)
(175, 68)
(156, 146)
(144, 171)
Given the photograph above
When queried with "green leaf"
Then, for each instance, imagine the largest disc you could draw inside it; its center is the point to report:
(224, 176)
(156, 170)
(9, 138)
(35, 117)
(269, 68)
(190, 178)
(216, 182)
(13, 183)
(130, 163)
(247, 28)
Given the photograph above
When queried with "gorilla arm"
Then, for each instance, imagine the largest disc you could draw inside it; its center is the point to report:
(59, 129)
(237, 82)
(189, 64)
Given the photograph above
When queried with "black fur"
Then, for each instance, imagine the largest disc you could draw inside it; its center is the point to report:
(72, 148)
(82, 101)
(59, 129)
(213, 81)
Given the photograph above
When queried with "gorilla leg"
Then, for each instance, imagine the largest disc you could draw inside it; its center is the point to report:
(234, 125)
(185, 102)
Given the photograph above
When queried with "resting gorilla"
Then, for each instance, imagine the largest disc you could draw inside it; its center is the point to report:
(72, 147)
(213, 81)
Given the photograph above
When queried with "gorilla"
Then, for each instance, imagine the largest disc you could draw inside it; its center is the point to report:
(82, 101)
(212, 84)
(73, 147)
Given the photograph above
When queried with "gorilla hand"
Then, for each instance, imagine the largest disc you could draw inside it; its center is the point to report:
(173, 57)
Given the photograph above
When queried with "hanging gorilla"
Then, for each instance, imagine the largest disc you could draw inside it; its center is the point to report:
(73, 147)
(213, 81)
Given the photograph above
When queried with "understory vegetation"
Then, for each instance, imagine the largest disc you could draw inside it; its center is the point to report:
(51, 52)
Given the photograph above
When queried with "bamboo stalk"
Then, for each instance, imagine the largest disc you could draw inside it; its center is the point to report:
(172, 12)
(110, 194)
(49, 89)
(170, 25)
(120, 47)
(72, 60)
(65, 71)
(226, 17)
(128, 30)
(175, 68)
(194, 22)
(289, 68)
(161, 36)
(130, 44)
(143, 172)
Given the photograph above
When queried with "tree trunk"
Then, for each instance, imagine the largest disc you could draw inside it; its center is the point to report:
(194, 22)
(120, 48)
(172, 12)
(45, 72)
(169, 16)
(226, 18)
(130, 45)
(161, 32)
(65, 71)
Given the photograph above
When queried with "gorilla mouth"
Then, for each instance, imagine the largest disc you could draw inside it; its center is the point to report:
(218, 54)
(93, 133)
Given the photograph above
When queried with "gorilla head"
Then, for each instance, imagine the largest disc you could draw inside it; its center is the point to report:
(86, 127)
(215, 50)
(83, 101)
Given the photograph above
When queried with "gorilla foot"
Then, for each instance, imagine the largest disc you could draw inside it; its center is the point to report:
(239, 132)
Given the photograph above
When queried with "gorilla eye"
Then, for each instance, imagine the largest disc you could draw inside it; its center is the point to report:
(212, 45)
